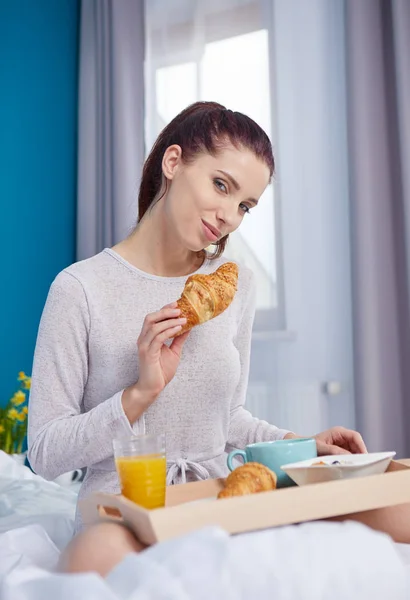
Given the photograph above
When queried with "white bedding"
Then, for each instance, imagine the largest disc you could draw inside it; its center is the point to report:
(312, 561)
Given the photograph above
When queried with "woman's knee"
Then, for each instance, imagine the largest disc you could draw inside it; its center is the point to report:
(98, 548)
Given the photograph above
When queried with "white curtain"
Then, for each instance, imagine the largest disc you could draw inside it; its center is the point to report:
(110, 122)
(378, 34)
(282, 63)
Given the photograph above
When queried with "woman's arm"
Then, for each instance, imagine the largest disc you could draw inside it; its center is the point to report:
(245, 429)
(60, 437)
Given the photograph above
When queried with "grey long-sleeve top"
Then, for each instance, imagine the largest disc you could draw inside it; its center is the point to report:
(86, 355)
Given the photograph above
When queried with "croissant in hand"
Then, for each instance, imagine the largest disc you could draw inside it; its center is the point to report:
(207, 296)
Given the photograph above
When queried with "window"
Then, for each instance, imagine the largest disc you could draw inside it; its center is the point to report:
(226, 60)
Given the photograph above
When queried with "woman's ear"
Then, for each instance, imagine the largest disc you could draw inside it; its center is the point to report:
(171, 160)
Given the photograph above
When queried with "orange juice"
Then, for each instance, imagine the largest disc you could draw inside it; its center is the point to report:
(142, 479)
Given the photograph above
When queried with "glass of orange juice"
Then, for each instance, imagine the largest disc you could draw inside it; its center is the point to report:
(141, 467)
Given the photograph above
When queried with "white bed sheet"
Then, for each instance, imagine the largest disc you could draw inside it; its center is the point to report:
(26, 498)
(311, 561)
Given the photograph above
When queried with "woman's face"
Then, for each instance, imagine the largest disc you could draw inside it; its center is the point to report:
(208, 198)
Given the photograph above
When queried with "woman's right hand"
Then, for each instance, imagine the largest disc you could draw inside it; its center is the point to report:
(157, 361)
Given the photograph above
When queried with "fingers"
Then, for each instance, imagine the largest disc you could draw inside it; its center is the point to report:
(357, 444)
(161, 338)
(349, 439)
(178, 343)
(169, 311)
(162, 331)
(336, 450)
(157, 322)
(329, 449)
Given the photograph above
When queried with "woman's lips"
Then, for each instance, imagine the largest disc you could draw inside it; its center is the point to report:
(210, 232)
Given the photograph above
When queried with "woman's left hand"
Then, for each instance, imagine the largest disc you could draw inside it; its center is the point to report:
(339, 440)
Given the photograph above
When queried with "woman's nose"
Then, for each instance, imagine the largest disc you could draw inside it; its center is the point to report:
(226, 216)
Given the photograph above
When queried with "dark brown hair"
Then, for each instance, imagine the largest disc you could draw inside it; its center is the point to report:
(202, 127)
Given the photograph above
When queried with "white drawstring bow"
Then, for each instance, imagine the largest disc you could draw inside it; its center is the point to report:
(178, 469)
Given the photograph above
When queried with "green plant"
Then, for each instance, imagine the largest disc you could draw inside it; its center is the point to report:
(13, 418)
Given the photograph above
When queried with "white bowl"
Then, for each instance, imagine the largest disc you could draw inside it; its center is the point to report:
(352, 465)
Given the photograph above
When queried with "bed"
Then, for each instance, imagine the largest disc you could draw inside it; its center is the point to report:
(312, 561)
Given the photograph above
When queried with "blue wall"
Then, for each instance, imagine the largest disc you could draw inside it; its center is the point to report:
(38, 132)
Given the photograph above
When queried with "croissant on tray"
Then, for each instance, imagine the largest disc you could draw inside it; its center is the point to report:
(249, 478)
(207, 296)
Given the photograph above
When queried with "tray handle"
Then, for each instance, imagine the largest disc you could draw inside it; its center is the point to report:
(99, 506)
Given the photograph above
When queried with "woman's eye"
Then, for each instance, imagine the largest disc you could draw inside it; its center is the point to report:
(245, 208)
(221, 186)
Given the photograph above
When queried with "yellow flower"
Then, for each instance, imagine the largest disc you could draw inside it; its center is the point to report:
(13, 414)
(18, 398)
(25, 410)
(27, 383)
(1, 428)
(21, 417)
(21, 376)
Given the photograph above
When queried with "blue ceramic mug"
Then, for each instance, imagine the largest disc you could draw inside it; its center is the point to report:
(275, 454)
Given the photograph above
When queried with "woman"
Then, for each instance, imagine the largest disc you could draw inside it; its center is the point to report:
(104, 363)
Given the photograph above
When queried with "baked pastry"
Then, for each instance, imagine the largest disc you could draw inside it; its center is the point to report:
(207, 296)
(249, 478)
